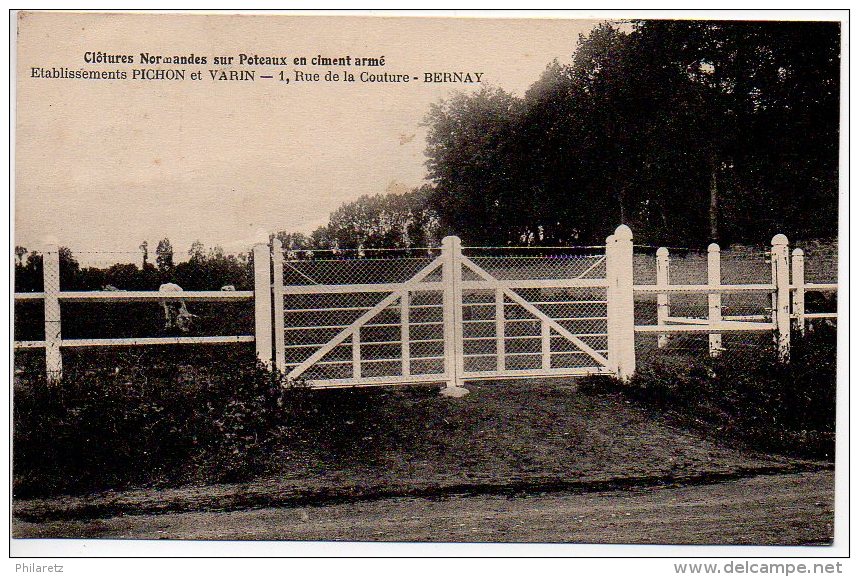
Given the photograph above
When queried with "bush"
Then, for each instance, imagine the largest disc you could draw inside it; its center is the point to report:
(748, 396)
(154, 423)
(174, 415)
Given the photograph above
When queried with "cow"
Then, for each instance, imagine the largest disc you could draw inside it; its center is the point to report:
(176, 312)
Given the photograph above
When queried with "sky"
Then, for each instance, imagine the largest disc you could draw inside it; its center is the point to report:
(103, 165)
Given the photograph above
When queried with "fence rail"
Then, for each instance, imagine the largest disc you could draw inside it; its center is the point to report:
(464, 313)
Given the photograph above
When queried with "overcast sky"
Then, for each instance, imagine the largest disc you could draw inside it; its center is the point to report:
(103, 165)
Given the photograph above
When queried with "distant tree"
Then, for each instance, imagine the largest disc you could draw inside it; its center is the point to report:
(164, 258)
(384, 221)
(197, 252)
(144, 248)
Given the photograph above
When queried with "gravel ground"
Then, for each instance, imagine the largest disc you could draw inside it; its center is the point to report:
(794, 509)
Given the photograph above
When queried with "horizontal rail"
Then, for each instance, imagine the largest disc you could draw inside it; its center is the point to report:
(130, 342)
(708, 328)
(349, 344)
(135, 296)
(526, 354)
(536, 373)
(360, 288)
(534, 283)
(338, 309)
(29, 296)
(703, 288)
(825, 287)
(350, 361)
(532, 337)
(29, 344)
(376, 381)
(559, 302)
(821, 315)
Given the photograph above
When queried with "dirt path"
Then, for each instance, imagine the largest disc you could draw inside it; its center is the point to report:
(767, 509)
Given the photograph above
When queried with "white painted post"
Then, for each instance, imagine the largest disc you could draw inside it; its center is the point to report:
(611, 302)
(53, 327)
(663, 302)
(450, 248)
(798, 274)
(714, 299)
(625, 302)
(621, 302)
(262, 303)
(546, 344)
(405, 331)
(782, 295)
(277, 299)
(500, 330)
(356, 354)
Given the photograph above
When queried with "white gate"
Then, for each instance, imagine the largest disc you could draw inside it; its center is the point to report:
(441, 316)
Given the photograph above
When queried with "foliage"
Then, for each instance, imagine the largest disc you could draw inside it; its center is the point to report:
(747, 396)
(159, 422)
(668, 128)
(393, 220)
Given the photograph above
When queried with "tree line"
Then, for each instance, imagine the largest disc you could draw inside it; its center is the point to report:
(687, 131)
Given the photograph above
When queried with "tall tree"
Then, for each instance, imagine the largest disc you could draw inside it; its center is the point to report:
(164, 257)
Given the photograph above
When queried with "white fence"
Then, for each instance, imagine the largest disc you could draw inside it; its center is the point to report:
(459, 313)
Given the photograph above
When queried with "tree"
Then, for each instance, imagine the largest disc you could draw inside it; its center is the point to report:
(164, 258)
(474, 162)
(384, 221)
(685, 130)
(197, 252)
(144, 248)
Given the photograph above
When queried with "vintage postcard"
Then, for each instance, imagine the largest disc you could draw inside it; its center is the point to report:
(427, 278)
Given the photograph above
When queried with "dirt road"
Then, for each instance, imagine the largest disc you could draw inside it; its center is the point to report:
(768, 509)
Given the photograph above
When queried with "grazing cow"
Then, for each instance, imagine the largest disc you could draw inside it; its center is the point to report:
(176, 313)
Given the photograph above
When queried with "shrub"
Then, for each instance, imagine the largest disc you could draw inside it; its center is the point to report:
(748, 395)
(148, 423)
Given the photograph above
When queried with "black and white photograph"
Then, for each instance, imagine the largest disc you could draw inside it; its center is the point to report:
(407, 278)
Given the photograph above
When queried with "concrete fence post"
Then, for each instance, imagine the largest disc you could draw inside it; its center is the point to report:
(262, 303)
(663, 300)
(714, 299)
(277, 305)
(451, 248)
(798, 280)
(781, 280)
(622, 302)
(53, 327)
(611, 303)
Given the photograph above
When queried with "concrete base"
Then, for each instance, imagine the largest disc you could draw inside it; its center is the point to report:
(454, 392)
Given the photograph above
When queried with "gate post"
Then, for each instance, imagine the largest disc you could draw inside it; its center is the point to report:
(798, 274)
(621, 302)
(663, 302)
(714, 299)
(53, 327)
(451, 250)
(781, 279)
(277, 304)
(262, 303)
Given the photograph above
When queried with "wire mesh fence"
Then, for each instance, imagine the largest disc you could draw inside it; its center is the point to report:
(740, 265)
(534, 326)
(403, 338)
